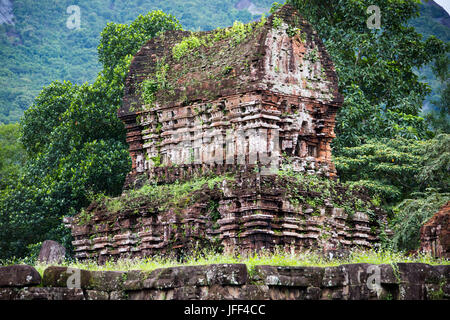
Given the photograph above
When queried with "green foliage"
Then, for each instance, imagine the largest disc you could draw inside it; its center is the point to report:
(430, 23)
(292, 31)
(436, 167)
(282, 257)
(237, 32)
(45, 115)
(120, 40)
(411, 214)
(393, 168)
(162, 196)
(187, 45)
(153, 84)
(75, 145)
(277, 22)
(12, 154)
(275, 7)
(440, 119)
(388, 167)
(383, 95)
(411, 177)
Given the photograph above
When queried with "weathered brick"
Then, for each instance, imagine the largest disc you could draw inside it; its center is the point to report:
(19, 276)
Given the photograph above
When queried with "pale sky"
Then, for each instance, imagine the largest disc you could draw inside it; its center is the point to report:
(444, 4)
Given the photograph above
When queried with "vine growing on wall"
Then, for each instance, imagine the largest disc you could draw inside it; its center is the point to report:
(151, 85)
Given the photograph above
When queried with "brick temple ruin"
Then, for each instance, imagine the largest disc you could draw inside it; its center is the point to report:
(435, 234)
(240, 105)
(274, 94)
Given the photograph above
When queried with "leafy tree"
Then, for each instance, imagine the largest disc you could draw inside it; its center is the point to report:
(119, 40)
(440, 119)
(12, 154)
(45, 115)
(383, 95)
(411, 214)
(389, 168)
(435, 171)
(75, 144)
(395, 168)
(411, 177)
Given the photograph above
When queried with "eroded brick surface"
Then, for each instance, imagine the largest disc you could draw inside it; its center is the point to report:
(275, 93)
(435, 234)
(246, 108)
(253, 212)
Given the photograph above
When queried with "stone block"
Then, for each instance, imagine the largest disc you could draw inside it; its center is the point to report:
(65, 277)
(418, 273)
(51, 252)
(19, 276)
(412, 291)
(106, 280)
(8, 293)
(97, 295)
(313, 293)
(220, 274)
(334, 277)
(286, 293)
(118, 295)
(36, 293)
(289, 276)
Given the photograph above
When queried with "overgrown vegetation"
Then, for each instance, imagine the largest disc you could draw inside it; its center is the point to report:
(12, 154)
(237, 33)
(74, 146)
(163, 196)
(153, 84)
(410, 177)
(279, 257)
(315, 191)
(74, 143)
(392, 169)
(411, 214)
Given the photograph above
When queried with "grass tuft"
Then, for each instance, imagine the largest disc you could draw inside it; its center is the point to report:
(279, 257)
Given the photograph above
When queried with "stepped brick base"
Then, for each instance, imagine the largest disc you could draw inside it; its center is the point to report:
(253, 212)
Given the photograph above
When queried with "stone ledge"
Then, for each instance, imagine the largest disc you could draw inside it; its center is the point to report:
(19, 276)
(401, 281)
(90, 280)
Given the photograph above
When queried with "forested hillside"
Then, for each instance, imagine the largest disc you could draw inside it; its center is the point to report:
(433, 21)
(37, 47)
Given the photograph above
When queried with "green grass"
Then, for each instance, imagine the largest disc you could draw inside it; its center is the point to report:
(277, 258)
(164, 196)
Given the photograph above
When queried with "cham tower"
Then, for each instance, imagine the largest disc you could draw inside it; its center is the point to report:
(243, 103)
